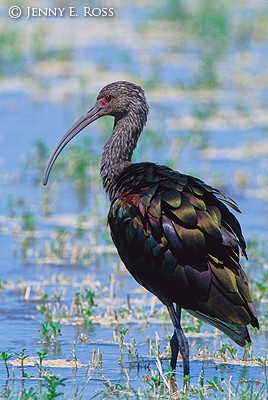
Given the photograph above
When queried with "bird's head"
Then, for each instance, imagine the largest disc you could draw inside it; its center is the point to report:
(119, 98)
(116, 99)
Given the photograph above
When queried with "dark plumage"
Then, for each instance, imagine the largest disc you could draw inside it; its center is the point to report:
(174, 233)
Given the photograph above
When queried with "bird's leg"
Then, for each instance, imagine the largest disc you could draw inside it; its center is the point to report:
(178, 341)
(174, 345)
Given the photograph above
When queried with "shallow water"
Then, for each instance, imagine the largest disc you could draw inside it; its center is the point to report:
(234, 117)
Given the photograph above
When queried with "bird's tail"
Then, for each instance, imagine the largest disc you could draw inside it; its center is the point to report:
(238, 333)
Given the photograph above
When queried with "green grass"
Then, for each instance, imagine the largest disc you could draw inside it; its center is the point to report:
(205, 30)
(11, 50)
(157, 384)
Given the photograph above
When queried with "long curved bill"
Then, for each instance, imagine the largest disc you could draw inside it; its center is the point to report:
(93, 114)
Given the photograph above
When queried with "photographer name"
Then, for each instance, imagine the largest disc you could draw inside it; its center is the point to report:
(33, 12)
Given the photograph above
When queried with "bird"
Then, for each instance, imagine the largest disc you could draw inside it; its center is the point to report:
(174, 233)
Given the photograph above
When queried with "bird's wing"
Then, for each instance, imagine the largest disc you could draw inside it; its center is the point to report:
(179, 240)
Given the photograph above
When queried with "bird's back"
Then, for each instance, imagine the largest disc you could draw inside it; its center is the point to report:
(179, 240)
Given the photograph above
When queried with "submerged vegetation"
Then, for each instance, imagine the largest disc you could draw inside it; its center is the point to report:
(74, 324)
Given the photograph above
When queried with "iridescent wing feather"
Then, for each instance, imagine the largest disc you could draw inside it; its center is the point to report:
(179, 240)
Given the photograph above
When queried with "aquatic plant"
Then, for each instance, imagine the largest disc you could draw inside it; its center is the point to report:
(83, 304)
(41, 356)
(52, 383)
(120, 340)
(50, 330)
(30, 394)
(42, 50)
(231, 349)
(5, 356)
(223, 45)
(11, 49)
(22, 356)
(28, 220)
(96, 359)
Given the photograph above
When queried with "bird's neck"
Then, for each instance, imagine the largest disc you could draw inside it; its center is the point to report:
(118, 150)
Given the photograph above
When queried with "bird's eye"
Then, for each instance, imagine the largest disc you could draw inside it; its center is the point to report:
(108, 98)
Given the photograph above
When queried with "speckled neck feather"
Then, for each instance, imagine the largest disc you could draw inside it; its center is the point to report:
(119, 148)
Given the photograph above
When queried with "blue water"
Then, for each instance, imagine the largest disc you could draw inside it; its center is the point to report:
(26, 119)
